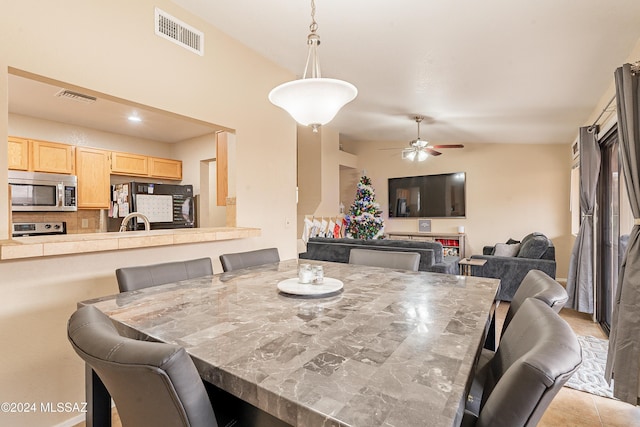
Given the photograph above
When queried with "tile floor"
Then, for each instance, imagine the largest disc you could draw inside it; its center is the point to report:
(570, 408)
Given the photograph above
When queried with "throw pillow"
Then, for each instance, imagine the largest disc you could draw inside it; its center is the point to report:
(503, 249)
(533, 246)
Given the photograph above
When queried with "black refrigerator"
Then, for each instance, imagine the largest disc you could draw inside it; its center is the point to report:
(166, 205)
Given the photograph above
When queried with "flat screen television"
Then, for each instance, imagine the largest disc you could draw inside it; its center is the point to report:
(428, 196)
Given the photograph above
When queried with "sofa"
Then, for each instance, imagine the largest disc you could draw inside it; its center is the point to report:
(511, 261)
(338, 250)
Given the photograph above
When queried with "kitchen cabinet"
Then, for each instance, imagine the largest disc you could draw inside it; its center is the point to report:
(93, 169)
(53, 157)
(93, 166)
(165, 168)
(40, 156)
(129, 164)
(18, 157)
(222, 168)
(138, 165)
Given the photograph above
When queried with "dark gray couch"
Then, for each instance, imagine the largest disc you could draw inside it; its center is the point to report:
(536, 252)
(338, 250)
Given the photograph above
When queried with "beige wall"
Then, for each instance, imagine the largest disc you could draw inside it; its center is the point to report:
(319, 172)
(512, 190)
(110, 47)
(30, 127)
(349, 177)
(199, 168)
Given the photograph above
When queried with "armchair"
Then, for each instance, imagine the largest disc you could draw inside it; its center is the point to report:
(510, 262)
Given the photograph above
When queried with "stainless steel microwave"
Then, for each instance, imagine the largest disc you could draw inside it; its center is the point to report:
(33, 191)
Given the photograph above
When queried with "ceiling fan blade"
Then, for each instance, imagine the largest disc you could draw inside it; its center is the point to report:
(448, 146)
(431, 151)
(393, 148)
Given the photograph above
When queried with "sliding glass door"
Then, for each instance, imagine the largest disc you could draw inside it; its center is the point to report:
(607, 228)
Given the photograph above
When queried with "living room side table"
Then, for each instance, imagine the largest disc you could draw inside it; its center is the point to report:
(467, 263)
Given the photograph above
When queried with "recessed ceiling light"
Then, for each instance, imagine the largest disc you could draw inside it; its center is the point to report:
(134, 119)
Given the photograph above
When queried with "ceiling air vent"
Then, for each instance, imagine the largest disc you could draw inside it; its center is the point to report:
(76, 96)
(178, 32)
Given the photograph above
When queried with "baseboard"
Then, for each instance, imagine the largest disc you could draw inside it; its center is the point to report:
(73, 421)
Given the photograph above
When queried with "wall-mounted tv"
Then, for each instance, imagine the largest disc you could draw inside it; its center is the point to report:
(428, 196)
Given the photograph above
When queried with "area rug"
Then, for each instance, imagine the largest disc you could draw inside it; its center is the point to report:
(590, 375)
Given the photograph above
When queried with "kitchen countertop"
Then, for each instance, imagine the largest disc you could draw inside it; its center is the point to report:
(43, 246)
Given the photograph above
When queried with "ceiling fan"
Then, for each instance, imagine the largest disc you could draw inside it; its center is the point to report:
(419, 149)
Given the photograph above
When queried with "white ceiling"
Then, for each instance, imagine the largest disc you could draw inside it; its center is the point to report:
(480, 71)
(526, 71)
(37, 98)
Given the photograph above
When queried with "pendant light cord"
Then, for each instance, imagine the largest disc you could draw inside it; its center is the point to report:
(312, 67)
(313, 27)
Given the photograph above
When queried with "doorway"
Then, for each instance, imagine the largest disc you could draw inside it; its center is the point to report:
(607, 228)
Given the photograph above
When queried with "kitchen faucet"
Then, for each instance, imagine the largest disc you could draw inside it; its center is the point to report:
(125, 221)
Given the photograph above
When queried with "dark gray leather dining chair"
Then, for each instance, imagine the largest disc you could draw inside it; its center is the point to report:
(134, 278)
(239, 260)
(537, 355)
(151, 383)
(388, 259)
(537, 284)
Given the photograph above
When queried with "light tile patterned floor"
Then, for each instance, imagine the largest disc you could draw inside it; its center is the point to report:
(570, 408)
(576, 408)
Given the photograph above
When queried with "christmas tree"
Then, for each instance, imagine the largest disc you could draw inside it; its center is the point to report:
(364, 219)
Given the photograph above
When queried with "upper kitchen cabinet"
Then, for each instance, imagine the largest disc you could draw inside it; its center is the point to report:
(139, 165)
(93, 168)
(53, 157)
(41, 156)
(165, 168)
(18, 158)
(129, 164)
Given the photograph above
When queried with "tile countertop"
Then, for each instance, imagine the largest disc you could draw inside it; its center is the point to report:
(42, 246)
(395, 348)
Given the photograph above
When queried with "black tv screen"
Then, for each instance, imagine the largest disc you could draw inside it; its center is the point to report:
(428, 196)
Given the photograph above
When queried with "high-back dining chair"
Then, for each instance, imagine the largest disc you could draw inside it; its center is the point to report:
(537, 355)
(239, 260)
(151, 383)
(389, 259)
(537, 284)
(134, 278)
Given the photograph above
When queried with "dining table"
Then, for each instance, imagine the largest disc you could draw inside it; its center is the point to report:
(368, 346)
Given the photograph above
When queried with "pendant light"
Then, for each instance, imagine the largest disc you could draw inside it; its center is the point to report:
(313, 100)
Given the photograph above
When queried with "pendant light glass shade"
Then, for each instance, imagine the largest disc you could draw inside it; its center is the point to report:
(313, 100)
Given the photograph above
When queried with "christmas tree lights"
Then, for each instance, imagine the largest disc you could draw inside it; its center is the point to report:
(365, 217)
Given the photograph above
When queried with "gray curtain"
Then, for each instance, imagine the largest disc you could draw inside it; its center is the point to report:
(581, 268)
(623, 359)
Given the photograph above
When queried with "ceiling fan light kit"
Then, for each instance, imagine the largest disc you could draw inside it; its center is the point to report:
(419, 149)
(313, 100)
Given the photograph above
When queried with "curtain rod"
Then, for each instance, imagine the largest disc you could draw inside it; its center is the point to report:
(635, 68)
(606, 107)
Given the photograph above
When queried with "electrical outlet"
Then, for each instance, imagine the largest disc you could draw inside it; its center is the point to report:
(84, 223)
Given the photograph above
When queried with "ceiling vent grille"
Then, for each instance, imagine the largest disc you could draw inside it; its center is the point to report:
(76, 96)
(178, 32)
